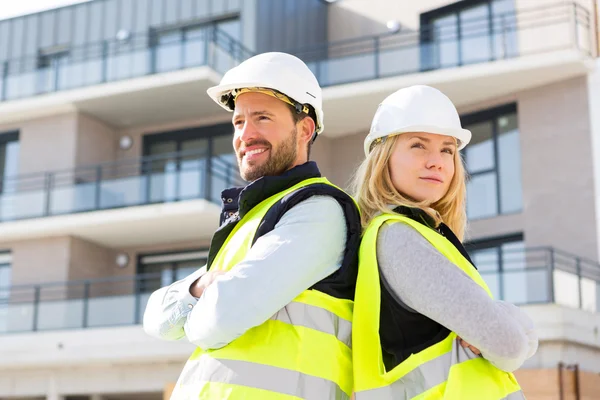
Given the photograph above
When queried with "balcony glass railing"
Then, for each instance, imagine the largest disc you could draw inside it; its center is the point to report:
(114, 60)
(502, 36)
(149, 180)
(525, 276)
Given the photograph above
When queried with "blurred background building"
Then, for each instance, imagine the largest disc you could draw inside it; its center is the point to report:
(112, 160)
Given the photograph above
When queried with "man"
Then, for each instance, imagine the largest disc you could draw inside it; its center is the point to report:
(272, 316)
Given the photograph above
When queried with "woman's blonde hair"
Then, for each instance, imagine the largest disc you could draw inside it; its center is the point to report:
(375, 192)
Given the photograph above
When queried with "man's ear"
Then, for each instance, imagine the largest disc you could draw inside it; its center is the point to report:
(306, 129)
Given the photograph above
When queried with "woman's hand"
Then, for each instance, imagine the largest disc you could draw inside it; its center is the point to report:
(468, 346)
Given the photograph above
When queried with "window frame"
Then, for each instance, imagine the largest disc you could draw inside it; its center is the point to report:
(5, 138)
(426, 36)
(179, 136)
(5, 264)
(181, 31)
(490, 115)
(496, 244)
(139, 266)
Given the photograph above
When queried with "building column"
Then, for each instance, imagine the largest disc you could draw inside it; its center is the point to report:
(52, 393)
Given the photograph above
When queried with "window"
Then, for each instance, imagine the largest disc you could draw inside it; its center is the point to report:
(493, 161)
(184, 47)
(9, 161)
(51, 66)
(508, 269)
(5, 278)
(170, 266)
(468, 31)
(52, 59)
(178, 163)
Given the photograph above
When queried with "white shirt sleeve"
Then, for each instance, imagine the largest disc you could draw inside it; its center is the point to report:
(168, 308)
(306, 245)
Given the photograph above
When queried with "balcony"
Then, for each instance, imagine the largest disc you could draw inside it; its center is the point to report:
(484, 60)
(542, 275)
(169, 194)
(96, 322)
(503, 36)
(127, 83)
(123, 82)
(525, 277)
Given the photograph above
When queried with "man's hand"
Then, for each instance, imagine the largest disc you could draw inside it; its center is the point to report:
(198, 287)
(468, 346)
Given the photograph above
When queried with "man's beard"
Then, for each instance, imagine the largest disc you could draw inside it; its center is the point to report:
(278, 162)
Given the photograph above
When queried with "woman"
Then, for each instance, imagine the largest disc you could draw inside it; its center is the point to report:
(425, 325)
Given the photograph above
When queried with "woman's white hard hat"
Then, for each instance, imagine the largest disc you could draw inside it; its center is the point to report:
(416, 109)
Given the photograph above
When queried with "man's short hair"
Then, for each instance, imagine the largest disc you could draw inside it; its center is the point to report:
(297, 117)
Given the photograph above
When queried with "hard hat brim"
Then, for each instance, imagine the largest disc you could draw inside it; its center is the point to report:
(462, 135)
(216, 92)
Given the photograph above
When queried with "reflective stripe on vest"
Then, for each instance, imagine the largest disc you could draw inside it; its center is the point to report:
(316, 318)
(444, 370)
(303, 351)
(208, 370)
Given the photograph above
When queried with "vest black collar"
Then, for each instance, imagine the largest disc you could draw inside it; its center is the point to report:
(242, 199)
(417, 214)
(421, 216)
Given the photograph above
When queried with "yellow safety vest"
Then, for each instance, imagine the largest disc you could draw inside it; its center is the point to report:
(444, 370)
(303, 351)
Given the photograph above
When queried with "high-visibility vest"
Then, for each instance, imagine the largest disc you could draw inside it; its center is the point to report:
(444, 370)
(303, 351)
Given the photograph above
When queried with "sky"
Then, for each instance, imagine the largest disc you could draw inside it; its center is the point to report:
(14, 8)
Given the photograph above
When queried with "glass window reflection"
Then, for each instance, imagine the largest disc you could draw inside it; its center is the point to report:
(493, 162)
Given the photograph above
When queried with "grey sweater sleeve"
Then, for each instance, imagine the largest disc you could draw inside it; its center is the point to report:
(425, 281)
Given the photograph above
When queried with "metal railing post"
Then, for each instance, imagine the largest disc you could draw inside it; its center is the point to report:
(208, 177)
(213, 45)
(36, 305)
(98, 193)
(229, 175)
(56, 66)
(578, 269)
(206, 42)
(138, 294)
(147, 169)
(105, 61)
(86, 298)
(4, 81)
(49, 183)
(503, 51)
(231, 53)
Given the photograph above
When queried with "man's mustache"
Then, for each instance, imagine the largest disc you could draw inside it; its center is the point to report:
(253, 143)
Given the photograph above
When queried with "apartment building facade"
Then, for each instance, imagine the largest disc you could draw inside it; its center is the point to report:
(112, 161)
